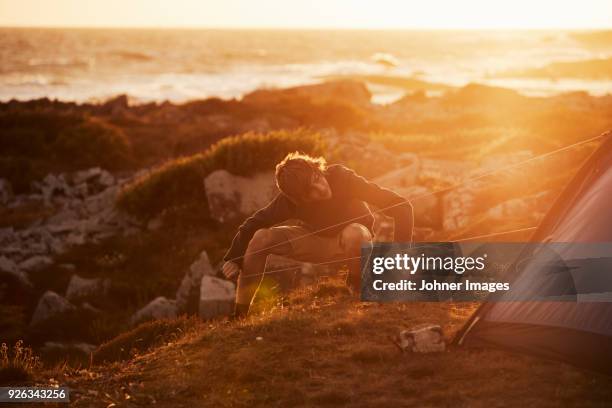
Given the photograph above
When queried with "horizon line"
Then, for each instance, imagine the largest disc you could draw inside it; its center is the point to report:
(312, 28)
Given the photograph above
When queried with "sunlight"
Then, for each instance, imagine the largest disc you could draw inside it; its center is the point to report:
(382, 14)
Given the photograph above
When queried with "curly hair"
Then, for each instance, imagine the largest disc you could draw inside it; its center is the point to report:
(294, 173)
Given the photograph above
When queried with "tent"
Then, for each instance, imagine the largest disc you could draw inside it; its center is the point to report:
(577, 332)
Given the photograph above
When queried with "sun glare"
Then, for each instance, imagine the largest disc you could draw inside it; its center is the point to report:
(381, 14)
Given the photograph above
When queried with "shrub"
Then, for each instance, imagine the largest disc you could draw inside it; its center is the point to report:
(20, 172)
(180, 182)
(36, 142)
(92, 143)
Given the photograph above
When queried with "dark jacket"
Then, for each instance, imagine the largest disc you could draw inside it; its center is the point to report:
(350, 192)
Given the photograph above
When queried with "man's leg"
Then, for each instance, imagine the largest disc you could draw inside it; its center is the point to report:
(351, 239)
(265, 241)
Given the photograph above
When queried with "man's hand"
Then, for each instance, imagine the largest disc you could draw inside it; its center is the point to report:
(230, 270)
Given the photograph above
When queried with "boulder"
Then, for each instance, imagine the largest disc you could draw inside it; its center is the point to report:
(83, 288)
(158, 308)
(232, 197)
(8, 266)
(217, 297)
(35, 263)
(50, 305)
(188, 292)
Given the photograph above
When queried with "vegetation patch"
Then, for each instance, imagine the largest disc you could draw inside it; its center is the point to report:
(142, 338)
(180, 181)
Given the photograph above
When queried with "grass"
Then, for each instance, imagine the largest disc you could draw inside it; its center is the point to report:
(180, 182)
(320, 347)
(17, 366)
(142, 338)
(140, 267)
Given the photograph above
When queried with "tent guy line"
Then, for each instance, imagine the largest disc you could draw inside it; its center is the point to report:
(417, 247)
(467, 180)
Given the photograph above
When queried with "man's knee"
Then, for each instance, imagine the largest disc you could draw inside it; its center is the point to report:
(265, 241)
(353, 235)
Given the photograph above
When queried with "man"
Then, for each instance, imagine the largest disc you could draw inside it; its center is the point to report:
(330, 203)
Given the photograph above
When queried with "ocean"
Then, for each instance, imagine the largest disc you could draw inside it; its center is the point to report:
(180, 64)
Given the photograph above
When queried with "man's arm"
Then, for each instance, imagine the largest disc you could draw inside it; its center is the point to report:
(278, 210)
(388, 201)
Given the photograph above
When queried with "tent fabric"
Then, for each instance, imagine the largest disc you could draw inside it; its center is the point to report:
(579, 333)
(579, 348)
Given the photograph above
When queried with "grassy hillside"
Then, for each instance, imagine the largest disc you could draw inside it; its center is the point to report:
(319, 347)
(180, 182)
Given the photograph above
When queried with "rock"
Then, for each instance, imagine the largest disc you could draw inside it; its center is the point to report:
(89, 309)
(158, 308)
(6, 192)
(427, 338)
(187, 294)
(8, 266)
(63, 216)
(459, 205)
(75, 238)
(106, 179)
(6, 235)
(529, 207)
(451, 171)
(353, 92)
(81, 190)
(67, 266)
(115, 106)
(49, 306)
(497, 161)
(217, 297)
(155, 224)
(403, 177)
(85, 175)
(82, 288)
(231, 197)
(425, 204)
(53, 185)
(35, 263)
(67, 225)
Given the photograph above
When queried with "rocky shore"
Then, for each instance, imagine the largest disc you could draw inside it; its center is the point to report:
(425, 148)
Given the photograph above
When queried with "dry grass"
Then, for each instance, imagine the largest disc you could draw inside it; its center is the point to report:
(17, 365)
(142, 338)
(320, 347)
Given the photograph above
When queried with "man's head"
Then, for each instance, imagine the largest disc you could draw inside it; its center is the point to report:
(301, 178)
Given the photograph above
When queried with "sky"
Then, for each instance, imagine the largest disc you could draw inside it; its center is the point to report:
(373, 14)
